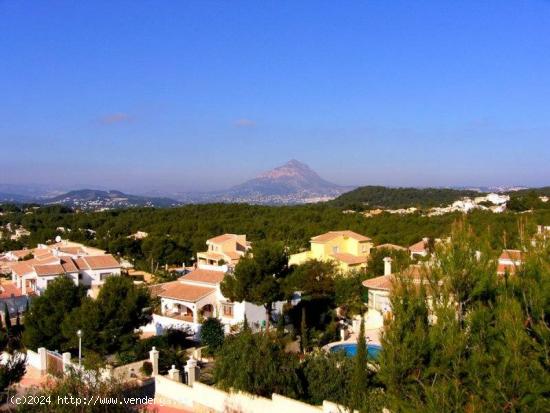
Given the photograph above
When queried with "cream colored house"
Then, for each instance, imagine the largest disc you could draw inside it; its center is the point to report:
(224, 249)
(347, 249)
(197, 295)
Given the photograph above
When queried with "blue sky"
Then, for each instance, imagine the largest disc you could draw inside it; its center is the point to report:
(200, 95)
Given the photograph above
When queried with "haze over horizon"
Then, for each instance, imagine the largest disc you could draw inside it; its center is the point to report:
(201, 96)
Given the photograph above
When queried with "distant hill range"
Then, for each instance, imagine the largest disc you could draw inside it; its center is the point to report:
(92, 199)
(384, 197)
(292, 183)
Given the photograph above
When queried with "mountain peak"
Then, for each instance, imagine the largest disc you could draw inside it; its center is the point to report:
(292, 168)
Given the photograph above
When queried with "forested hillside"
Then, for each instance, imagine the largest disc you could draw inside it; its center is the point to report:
(384, 197)
(176, 234)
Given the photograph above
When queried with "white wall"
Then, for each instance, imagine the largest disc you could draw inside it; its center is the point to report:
(94, 276)
(171, 393)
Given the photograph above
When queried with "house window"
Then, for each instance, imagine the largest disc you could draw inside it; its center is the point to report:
(227, 310)
(335, 249)
(363, 248)
(103, 276)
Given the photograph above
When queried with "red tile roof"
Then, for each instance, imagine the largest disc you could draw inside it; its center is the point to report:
(349, 258)
(204, 276)
(179, 291)
(8, 289)
(99, 262)
(222, 238)
(385, 282)
(328, 236)
(49, 269)
(21, 268)
(419, 247)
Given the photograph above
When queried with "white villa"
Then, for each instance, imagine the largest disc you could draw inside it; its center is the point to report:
(197, 295)
(185, 303)
(85, 265)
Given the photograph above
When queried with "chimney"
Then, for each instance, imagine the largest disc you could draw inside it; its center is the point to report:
(387, 265)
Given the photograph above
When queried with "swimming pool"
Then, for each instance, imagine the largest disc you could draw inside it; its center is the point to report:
(351, 349)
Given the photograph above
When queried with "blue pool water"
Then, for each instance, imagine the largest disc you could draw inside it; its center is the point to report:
(351, 349)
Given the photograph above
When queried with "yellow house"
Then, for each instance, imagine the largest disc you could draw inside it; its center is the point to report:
(224, 249)
(348, 249)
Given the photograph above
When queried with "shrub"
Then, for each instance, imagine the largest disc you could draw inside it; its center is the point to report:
(212, 333)
(146, 369)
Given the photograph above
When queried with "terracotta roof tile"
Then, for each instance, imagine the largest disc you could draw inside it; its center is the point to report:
(98, 262)
(419, 247)
(204, 276)
(222, 238)
(8, 289)
(385, 282)
(21, 268)
(48, 270)
(328, 236)
(179, 291)
(349, 259)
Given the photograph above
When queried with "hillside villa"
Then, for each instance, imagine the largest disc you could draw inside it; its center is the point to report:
(224, 249)
(84, 265)
(347, 249)
(196, 295)
(186, 302)
(379, 290)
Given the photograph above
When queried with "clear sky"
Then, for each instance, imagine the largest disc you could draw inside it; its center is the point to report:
(186, 95)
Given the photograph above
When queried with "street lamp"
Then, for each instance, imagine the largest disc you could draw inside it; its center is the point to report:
(79, 334)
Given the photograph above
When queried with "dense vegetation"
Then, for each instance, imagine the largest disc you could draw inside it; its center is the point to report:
(467, 340)
(384, 197)
(107, 323)
(464, 339)
(176, 234)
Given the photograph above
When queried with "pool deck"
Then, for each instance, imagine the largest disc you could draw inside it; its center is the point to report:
(373, 337)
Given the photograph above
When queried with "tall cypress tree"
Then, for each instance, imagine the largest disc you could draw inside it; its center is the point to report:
(359, 385)
(303, 332)
(7, 319)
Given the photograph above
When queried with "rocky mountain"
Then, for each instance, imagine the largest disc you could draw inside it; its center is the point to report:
(291, 183)
(93, 199)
